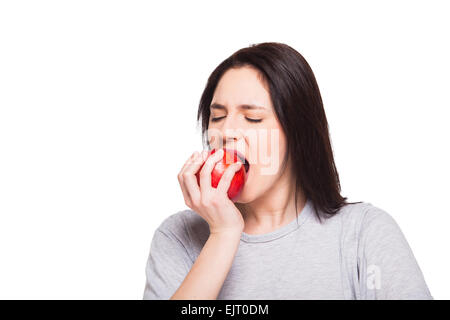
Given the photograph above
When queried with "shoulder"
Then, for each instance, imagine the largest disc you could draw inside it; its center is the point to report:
(361, 211)
(371, 232)
(364, 217)
(185, 225)
(372, 226)
(371, 216)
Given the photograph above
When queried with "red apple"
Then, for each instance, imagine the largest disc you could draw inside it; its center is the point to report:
(237, 183)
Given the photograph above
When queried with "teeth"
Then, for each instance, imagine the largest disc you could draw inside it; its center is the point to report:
(243, 160)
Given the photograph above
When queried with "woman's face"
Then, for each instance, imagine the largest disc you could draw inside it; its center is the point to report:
(240, 97)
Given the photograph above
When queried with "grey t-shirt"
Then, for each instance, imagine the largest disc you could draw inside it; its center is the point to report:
(360, 253)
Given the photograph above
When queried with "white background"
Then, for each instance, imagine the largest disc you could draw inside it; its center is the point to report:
(98, 103)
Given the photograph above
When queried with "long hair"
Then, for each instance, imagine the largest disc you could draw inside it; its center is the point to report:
(299, 109)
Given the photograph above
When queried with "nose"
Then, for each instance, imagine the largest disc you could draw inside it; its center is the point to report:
(229, 134)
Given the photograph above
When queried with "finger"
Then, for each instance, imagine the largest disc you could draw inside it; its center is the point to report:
(202, 157)
(196, 163)
(186, 196)
(189, 161)
(225, 180)
(189, 179)
(205, 173)
(192, 188)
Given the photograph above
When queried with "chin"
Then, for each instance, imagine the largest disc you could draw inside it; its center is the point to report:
(246, 197)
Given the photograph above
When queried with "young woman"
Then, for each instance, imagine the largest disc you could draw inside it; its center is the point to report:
(290, 234)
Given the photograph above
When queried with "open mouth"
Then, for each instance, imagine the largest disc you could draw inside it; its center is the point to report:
(243, 160)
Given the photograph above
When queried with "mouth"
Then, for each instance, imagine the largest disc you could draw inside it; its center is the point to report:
(243, 160)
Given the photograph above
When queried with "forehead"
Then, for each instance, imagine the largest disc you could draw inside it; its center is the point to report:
(242, 86)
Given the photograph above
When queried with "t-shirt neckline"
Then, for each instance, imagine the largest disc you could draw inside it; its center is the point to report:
(284, 230)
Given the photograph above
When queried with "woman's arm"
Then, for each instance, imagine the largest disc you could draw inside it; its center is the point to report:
(225, 221)
(207, 275)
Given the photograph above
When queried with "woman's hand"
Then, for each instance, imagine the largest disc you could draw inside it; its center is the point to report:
(212, 204)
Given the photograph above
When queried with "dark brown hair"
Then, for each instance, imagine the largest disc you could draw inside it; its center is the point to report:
(298, 106)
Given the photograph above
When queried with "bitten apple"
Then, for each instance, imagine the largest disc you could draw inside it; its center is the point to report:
(237, 183)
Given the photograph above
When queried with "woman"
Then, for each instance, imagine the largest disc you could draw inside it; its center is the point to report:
(290, 234)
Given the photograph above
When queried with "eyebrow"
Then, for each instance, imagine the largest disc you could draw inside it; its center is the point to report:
(241, 106)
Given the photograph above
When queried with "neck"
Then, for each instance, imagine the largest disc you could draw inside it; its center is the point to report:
(272, 210)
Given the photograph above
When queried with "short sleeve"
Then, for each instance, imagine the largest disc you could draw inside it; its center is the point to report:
(387, 268)
(167, 265)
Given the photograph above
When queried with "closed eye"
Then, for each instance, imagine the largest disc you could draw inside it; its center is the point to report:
(217, 119)
(253, 120)
(248, 119)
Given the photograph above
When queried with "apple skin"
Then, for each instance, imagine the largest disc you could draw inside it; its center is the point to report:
(238, 181)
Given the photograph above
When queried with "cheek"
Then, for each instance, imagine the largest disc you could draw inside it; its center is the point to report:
(276, 149)
(266, 153)
(282, 143)
(259, 180)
